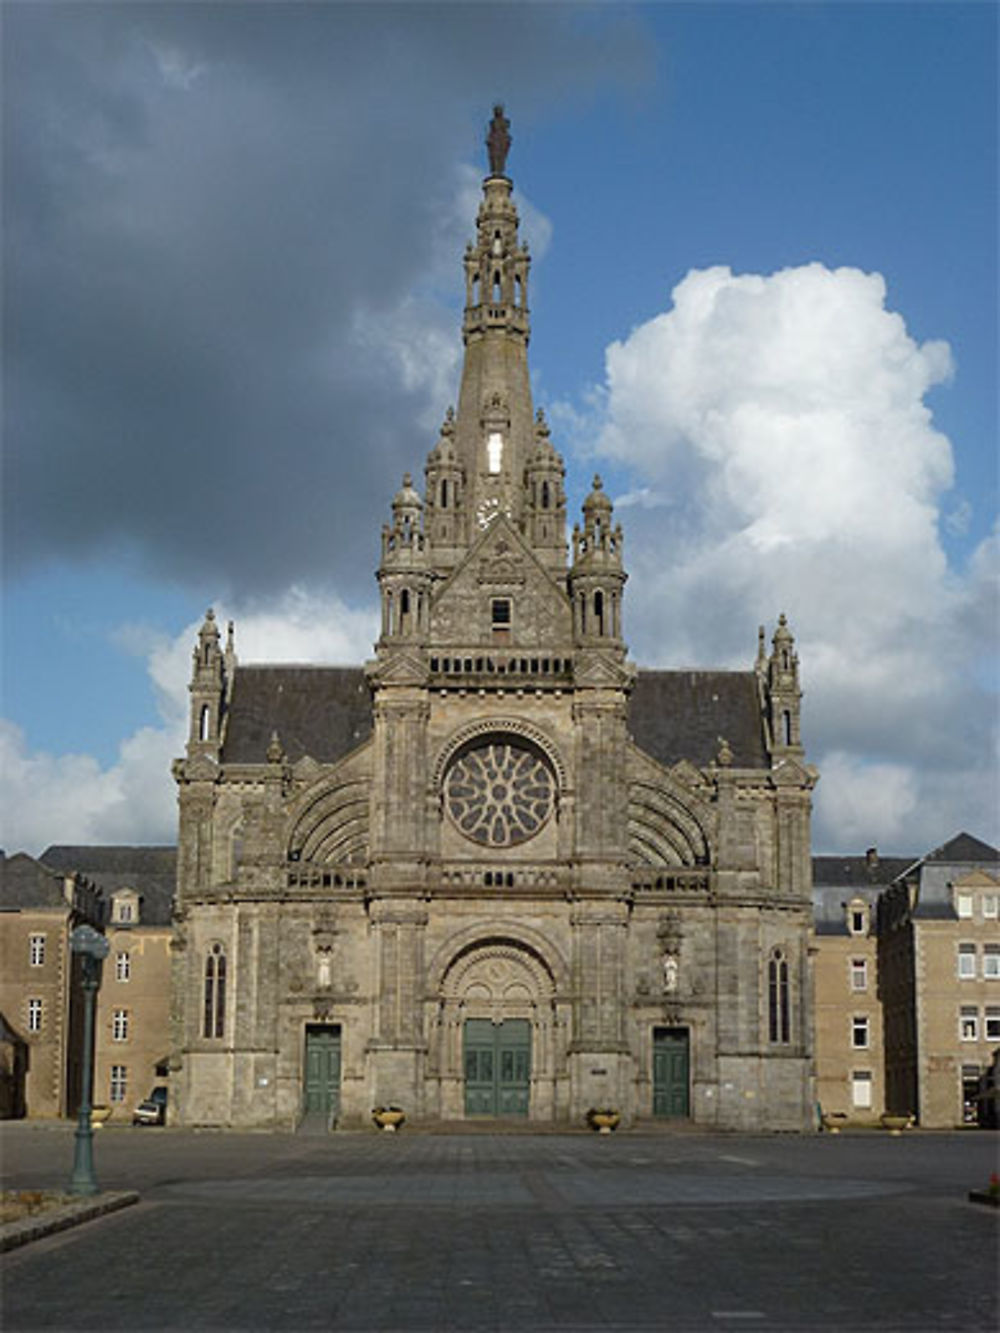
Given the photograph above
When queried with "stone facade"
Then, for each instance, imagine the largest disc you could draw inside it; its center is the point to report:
(498, 870)
(850, 1051)
(40, 995)
(939, 959)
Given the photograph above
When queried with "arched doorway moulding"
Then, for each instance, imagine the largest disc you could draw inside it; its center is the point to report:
(498, 973)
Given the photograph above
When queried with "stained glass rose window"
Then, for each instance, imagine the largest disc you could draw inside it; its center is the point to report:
(499, 792)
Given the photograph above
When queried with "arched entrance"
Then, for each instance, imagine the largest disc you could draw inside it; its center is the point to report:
(497, 1028)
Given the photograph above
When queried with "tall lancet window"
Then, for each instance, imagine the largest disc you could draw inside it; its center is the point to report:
(215, 992)
(494, 451)
(778, 1024)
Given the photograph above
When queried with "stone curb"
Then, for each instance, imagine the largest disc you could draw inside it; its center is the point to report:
(14, 1234)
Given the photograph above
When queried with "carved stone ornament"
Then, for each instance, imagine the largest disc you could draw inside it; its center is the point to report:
(499, 793)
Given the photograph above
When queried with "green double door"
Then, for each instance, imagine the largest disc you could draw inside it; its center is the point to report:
(322, 1091)
(497, 1067)
(671, 1064)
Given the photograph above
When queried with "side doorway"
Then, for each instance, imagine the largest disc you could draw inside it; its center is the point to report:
(671, 1073)
(497, 1062)
(321, 1093)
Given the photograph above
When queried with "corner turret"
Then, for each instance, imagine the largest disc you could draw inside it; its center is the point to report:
(210, 670)
(404, 575)
(597, 577)
(782, 693)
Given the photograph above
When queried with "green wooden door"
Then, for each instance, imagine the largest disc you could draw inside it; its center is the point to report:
(323, 1070)
(497, 1067)
(670, 1072)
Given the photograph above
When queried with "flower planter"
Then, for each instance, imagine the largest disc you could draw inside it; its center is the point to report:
(99, 1115)
(895, 1124)
(388, 1118)
(603, 1122)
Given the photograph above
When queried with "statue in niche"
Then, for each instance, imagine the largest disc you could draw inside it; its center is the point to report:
(323, 968)
(671, 973)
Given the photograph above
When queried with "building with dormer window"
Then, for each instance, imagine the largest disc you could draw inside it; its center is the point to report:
(497, 871)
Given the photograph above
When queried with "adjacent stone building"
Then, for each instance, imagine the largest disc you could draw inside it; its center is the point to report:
(40, 994)
(497, 871)
(850, 1051)
(939, 962)
(131, 1024)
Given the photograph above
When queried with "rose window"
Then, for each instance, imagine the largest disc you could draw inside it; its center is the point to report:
(499, 793)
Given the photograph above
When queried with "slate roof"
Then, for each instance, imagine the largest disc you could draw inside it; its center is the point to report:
(963, 848)
(26, 883)
(838, 879)
(676, 715)
(324, 712)
(858, 872)
(151, 871)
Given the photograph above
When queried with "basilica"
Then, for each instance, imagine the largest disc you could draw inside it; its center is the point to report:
(497, 871)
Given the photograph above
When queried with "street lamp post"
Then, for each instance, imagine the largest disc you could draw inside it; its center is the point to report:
(92, 947)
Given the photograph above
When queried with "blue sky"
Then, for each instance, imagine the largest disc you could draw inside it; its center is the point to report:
(232, 241)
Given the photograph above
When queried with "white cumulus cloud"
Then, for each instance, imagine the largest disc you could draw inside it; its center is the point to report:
(71, 798)
(781, 423)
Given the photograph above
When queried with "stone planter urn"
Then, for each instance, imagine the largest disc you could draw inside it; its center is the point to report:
(832, 1121)
(895, 1124)
(99, 1115)
(603, 1120)
(389, 1118)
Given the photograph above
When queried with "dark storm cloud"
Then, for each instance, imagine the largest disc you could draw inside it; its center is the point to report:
(200, 199)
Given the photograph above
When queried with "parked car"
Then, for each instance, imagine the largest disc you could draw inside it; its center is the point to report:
(152, 1111)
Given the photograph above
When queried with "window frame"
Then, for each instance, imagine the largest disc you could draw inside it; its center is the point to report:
(968, 1022)
(36, 1014)
(36, 950)
(965, 962)
(120, 1023)
(118, 1084)
(991, 970)
(862, 1078)
(861, 1025)
(123, 966)
(858, 968)
(779, 1026)
(991, 1022)
(214, 994)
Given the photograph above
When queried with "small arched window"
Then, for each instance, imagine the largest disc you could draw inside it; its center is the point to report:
(215, 992)
(786, 727)
(778, 1018)
(444, 493)
(205, 723)
(497, 291)
(545, 495)
(599, 610)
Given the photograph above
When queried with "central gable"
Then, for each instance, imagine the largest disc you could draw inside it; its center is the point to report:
(499, 569)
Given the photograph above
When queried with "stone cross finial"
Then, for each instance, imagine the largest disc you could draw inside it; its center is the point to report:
(498, 141)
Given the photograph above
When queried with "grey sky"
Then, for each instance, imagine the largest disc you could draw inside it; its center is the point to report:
(200, 200)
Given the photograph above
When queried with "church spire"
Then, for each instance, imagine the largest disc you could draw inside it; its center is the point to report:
(494, 425)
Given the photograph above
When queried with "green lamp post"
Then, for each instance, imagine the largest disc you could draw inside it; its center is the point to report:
(92, 948)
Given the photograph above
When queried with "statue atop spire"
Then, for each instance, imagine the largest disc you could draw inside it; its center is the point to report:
(498, 141)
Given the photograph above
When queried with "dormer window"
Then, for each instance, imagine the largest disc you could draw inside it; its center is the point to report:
(857, 918)
(125, 909)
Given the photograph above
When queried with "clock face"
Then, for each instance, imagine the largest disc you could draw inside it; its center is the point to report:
(487, 510)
